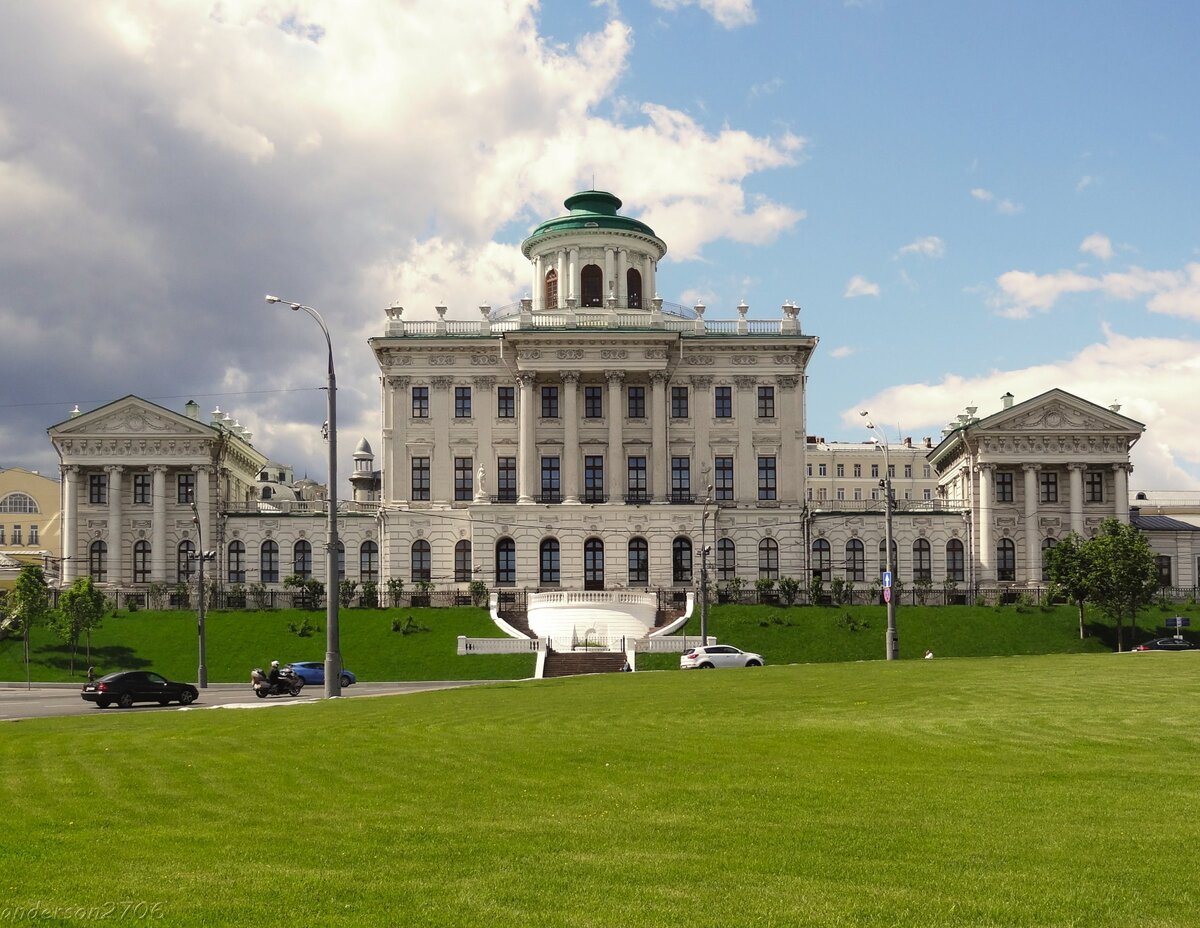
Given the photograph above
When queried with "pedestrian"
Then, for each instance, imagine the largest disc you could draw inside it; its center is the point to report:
(91, 675)
(626, 667)
(928, 655)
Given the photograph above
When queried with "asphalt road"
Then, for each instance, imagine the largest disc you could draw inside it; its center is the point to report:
(17, 702)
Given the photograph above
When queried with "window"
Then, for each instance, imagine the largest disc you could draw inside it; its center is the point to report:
(302, 559)
(891, 469)
(591, 286)
(841, 470)
(639, 561)
(724, 478)
(874, 470)
(822, 560)
(420, 402)
(19, 502)
(922, 560)
(822, 471)
(506, 479)
(33, 534)
(766, 478)
(97, 488)
(506, 402)
(186, 487)
(858, 492)
(593, 402)
(550, 402)
(633, 287)
(549, 558)
(766, 402)
(98, 561)
(636, 402)
(464, 570)
(1049, 487)
(1094, 486)
(421, 561)
(268, 562)
(926, 472)
(368, 562)
(235, 561)
(908, 470)
(1163, 563)
(726, 560)
(856, 560)
(141, 489)
(593, 564)
(420, 478)
(840, 493)
(1004, 486)
(16, 535)
(635, 476)
(1047, 544)
(927, 493)
(141, 561)
(857, 470)
(681, 480)
(1006, 560)
(955, 561)
(462, 402)
(768, 559)
(551, 480)
(593, 478)
(506, 561)
(184, 559)
(551, 291)
(679, 402)
(464, 479)
(723, 398)
(681, 560)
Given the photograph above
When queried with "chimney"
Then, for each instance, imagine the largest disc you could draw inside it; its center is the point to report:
(908, 442)
(927, 441)
(192, 409)
(75, 412)
(1007, 400)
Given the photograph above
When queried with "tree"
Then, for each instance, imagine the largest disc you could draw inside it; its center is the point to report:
(29, 602)
(1068, 568)
(1123, 575)
(80, 609)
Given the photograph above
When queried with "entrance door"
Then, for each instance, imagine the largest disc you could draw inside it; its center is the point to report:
(593, 564)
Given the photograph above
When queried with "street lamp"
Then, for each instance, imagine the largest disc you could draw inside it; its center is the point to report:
(200, 556)
(893, 641)
(333, 657)
(705, 549)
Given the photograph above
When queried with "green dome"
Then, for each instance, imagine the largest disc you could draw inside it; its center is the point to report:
(589, 209)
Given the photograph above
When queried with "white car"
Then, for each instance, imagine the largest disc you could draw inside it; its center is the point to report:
(718, 655)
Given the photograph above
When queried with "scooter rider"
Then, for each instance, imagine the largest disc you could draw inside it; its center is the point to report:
(273, 675)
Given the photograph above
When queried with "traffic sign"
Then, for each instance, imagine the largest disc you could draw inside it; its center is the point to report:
(1179, 621)
(887, 579)
(887, 594)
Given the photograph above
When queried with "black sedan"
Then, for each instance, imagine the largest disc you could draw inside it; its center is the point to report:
(130, 686)
(1168, 644)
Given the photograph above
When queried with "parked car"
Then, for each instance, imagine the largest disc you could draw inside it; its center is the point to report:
(130, 686)
(718, 655)
(1168, 644)
(313, 672)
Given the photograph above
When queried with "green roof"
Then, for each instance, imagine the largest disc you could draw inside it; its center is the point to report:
(589, 209)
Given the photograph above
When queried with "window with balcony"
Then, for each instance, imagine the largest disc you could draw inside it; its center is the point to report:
(635, 479)
(593, 478)
(551, 480)
(681, 480)
(633, 287)
(591, 286)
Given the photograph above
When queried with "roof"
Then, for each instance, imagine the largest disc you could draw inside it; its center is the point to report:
(1160, 523)
(589, 209)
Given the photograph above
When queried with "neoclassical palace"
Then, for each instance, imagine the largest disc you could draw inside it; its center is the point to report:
(593, 436)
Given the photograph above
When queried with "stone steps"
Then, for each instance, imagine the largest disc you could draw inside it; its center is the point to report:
(574, 663)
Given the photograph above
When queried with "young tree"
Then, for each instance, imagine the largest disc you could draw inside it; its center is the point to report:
(29, 602)
(1123, 575)
(1068, 568)
(80, 609)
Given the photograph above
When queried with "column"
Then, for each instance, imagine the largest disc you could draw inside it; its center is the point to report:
(616, 444)
(1033, 540)
(622, 288)
(573, 275)
(70, 525)
(987, 553)
(158, 528)
(659, 451)
(791, 439)
(483, 406)
(203, 509)
(1121, 503)
(394, 485)
(562, 279)
(701, 410)
(539, 284)
(1075, 472)
(116, 548)
(746, 465)
(526, 452)
(609, 272)
(570, 412)
(441, 476)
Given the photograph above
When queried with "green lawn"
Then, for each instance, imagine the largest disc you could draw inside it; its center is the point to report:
(1026, 791)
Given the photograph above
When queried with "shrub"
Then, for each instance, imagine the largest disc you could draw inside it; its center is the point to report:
(346, 590)
(259, 595)
(922, 589)
(395, 588)
(370, 594)
(478, 592)
(789, 589)
(731, 590)
(304, 630)
(408, 626)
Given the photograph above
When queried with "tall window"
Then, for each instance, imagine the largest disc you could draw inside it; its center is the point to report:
(184, 561)
(922, 560)
(33, 534)
(302, 559)
(841, 470)
(97, 488)
(550, 402)
(506, 479)
(548, 556)
(506, 562)
(822, 559)
(98, 561)
(506, 402)
(593, 402)
(908, 471)
(724, 478)
(368, 562)
(639, 561)
(1048, 481)
(681, 480)
(141, 489)
(420, 402)
(679, 402)
(956, 570)
(235, 561)
(1004, 486)
(464, 479)
(856, 560)
(551, 289)
(462, 402)
(464, 571)
(591, 286)
(593, 478)
(187, 488)
(16, 535)
(551, 480)
(766, 478)
(636, 406)
(766, 402)
(141, 561)
(1006, 560)
(1094, 486)
(857, 470)
(421, 561)
(633, 287)
(768, 559)
(268, 562)
(723, 397)
(1163, 563)
(636, 477)
(593, 564)
(726, 560)
(681, 560)
(420, 479)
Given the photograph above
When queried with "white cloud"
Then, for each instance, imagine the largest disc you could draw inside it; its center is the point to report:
(1086, 181)
(1003, 206)
(1098, 245)
(842, 351)
(729, 13)
(860, 286)
(1173, 293)
(931, 246)
(985, 196)
(766, 88)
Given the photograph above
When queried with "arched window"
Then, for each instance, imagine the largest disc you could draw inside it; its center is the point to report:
(681, 560)
(956, 570)
(268, 562)
(822, 559)
(141, 561)
(421, 561)
(302, 559)
(267, 492)
(591, 286)
(368, 562)
(922, 560)
(1006, 560)
(593, 564)
(856, 560)
(639, 561)
(633, 286)
(726, 560)
(98, 561)
(21, 503)
(506, 562)
(883, 564)
(235, 562)
(551, 291)
(768, 559)
(184, 559)
(1047, 544)
(463, 568)
(548, 557)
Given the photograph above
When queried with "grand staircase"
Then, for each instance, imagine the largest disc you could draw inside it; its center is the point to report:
(573, 663)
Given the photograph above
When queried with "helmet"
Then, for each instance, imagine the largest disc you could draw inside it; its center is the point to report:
(274, 663)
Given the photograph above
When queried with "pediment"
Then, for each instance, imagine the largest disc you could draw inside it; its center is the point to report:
(1059, 412)
(131, 416)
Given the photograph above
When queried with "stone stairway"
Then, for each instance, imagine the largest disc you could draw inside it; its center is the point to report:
(573, 663)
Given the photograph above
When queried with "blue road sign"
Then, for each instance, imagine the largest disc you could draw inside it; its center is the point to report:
(1179, 622)
(887, 579)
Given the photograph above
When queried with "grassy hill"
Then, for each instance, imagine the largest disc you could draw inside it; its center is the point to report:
(1025, 791)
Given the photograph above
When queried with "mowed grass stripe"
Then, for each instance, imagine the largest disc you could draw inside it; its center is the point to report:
(1016, 791)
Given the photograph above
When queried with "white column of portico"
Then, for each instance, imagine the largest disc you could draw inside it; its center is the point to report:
(394, 487)
(610, 264)
(746, 466)
(616, 446)
(115, 546)
(622, 287)
(987, 553)
(658, 435)
(70, 527)
(573, 275)
(158, 527)
(570, 462)
(526, 465)
(1033, 541)
(562, 278)
(1076, 480)
(442, 467)
(791, 440)
(648, 281)
(539, 283)
(1121, 491)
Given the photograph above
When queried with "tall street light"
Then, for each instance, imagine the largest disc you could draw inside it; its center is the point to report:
(200, 556)
(893, 640)
(333, 657)
(705, 550)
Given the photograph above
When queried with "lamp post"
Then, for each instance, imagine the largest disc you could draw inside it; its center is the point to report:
(200, 556)
(892, 642)
(333, 657)
(704, 552)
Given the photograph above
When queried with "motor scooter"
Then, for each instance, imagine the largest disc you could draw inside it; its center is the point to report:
(288, 684)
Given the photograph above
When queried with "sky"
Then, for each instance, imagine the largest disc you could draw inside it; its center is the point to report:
(965, 199)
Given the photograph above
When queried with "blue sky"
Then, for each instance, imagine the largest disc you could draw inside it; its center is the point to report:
(965, 199)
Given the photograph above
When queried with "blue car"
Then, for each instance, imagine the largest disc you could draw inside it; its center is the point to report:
(313, 672)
